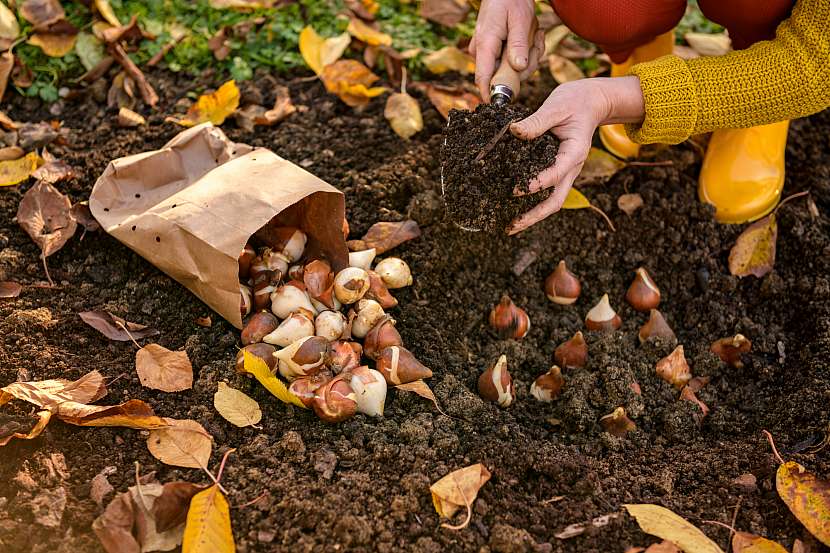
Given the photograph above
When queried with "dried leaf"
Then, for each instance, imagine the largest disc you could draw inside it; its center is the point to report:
(45, 215)
(81, 213)
(449, 58)
(709, 44)
(134, 414)
(242, 4)
(351, 81)
(754, 250)
(458, 489)
(52, 393)
(214, 107)
(9, 28)
(664, 546)
(37, 135)
(42, 13)
(447, 100)
(445, 12)
(744, 542)
(128, 118)
(674, 369)
(807, 497)
(563, 69)
(55, 45)
(113, 327)
(148, 94)
(661, 522)
(386, 236)
(204, 322)
(11, 153)
(6, 66)
(18, 170)
(367, 34)
(730, 349)
(9, 289)
(318, 52)
(629, 203)
(185, 443)
(599, 166)
(149, 536)
(170, 508)
(208, 528)
(576, 200)
(43, 419)
(257, 367)
(577, 529)
(422, 389)
(100, 487)
(236, 407)
(404, 114)
(283, 107)
(106, 11)
(114, 526)
(159, 368)
(54, 171)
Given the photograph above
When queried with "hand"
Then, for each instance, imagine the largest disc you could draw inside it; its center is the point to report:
(500, 20)
(572, 112)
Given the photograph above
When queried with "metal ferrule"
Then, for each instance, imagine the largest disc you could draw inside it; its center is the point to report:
(501, 94)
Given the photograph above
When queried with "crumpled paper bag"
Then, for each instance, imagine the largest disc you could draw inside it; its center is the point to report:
(190, 207)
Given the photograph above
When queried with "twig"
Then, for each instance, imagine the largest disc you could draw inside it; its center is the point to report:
(604, 216)
(119, 323)
(257, 499)
(790, 197)
(734, 518)
(664, 163)
(222, 464)
(493, 141)
(772, 444)
(46, 269)
(164, 50)
(469, 512)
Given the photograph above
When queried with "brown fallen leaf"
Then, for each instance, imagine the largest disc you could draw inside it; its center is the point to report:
(127, 118)
(754, 250)
(133, 413)
(45, 215)
(744, 542)
(6, 66)
(148, 93)
(579, 528)
(10, 153)
(82, 214)
(563, 69)
(351, 81)
(170, 508)
(22, 74)
(283, 107)
(106, 11)
(9, 27)
(100, 487)
(241, 4)
(17, 170)
(449, 58)
(386, 236)
(674, 369)
(114, 526)
(445, 99)
(214, 107)
(204, 322)
(629, 203)
(37, 428)
(185, 443)
(116, 328)
(55, 44)
(730, 349)
(599, 166)
(364, 9)
(445, 12)
(458, 489)
(50, 394)
(570, 48)
(54, 171)
(663, 523)
(37, 135)
(422, 389)
(42, 13)
(403, 113)
(159, 368)
(368, 34)
(9, 289)
(130, 32)
(318, 52)
(236, 407)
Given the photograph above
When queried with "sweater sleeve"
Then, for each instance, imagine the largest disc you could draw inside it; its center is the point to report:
(773, 80)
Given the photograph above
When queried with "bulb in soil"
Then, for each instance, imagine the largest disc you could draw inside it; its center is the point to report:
(496, 385)
(656, 327)
(245, 300)
(730, 349)
(369, 312)
(572, 354)
(380, 337)
(295, 327)
(350, 285)
(362, 259)
(379, 292)
(643, 294)
(319, 282)
(335, 401)
(263, 351)
(265, 284)
(344, 356)
(245, 259)
(394, 272)
(602, 316)
(674, 369)
(548, 386)
(306, 387)
(288, 299)
(370, 391)
(617, 423)
(330, 325)
(269, 260)
(302, 358)
(562, 286)
(508, 320)
(258, 326)
(399, 366)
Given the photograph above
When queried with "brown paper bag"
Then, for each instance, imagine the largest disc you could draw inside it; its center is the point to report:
(190, 207)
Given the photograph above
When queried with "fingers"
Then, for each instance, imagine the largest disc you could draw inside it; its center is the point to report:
(487, 52)
(518, 49)
(545, 208)
(571, 156)
(539, 122)
(536, 53)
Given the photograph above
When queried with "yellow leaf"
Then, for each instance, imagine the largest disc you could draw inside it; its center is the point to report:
(54, 45)
(367, 34)
(404, 114)
(807, 496)
(244, 4)
(257, 367)
(318, 52)
(130, 414)
(449, 58)
(661, 522)
(16, 171)
(9, 28)
(184, 443)
(599, 165)
(576, 200)
(563, 69)
(754, 250)
(208, 527)
(351, 81)
(106, 12)
(50, 394)
(553, 37)
(236, 407)
(43, 419)
(445, 101)
(458, 489)
(214, 107)
(709, 45)
(743, 542)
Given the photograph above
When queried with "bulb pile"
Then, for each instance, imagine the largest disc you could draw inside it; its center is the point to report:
(304, 322)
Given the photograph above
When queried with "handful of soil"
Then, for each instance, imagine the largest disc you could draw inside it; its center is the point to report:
(482, 162)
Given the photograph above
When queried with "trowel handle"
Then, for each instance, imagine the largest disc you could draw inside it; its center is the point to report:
(505, 74)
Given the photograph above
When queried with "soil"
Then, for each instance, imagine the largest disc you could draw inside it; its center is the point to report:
(483, 163)
(363, 485)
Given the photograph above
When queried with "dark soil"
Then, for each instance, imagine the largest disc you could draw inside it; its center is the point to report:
(363, 485)
(483, 163)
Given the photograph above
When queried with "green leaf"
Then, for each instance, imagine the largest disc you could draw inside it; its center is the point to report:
(89, 49)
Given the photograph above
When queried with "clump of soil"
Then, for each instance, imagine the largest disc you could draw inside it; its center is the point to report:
(482, 163)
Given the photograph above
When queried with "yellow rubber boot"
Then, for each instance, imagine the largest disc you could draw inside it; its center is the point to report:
(743, 172)
(613, 137)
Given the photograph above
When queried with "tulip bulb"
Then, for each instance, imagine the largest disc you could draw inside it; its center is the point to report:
(319, 307)
(369, 312)
(495, 384)
(370, 390)
(295, 245)
(643, 294)
(572, 354)
(245, 300)
(730, 349)
(305, 388)
(674, 369)
(258, 326)
(288, 299)
(245, 259)
(263, 351)
(363, 259)
(330, 325)
(269, 260)
(295, 327)
(617, 423)
(602, 316)
(319, 282)
(302, 358)
(350, 285)
(344, 356)
(264, 285)
(509, 320)
(379, 292)
(399, 366)
(380, 337)
(394, 272)
(562, 286)
(548, 386)
(656, 327)
(295, 272)
(289, 241)
(335, 401)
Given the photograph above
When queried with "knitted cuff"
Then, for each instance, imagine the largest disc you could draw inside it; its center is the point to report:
(671, 102)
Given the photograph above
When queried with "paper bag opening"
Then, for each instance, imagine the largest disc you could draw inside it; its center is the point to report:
(190, 208)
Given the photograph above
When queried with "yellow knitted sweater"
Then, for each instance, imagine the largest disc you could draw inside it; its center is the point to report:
(773, 80)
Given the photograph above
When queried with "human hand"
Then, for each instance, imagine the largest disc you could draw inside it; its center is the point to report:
(511, 21)
(572, 112)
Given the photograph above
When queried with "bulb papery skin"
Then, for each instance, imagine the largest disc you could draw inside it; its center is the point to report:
(292, 329)
(335, 401)
(245, 300)
(302, 358)
(394, 272)
(362, 259)
(496, 385)
(288, 299)
(369, 312)
(259, 325)
(643, 294)
(350, 285)
(548, 386)
(602, 316)
(370, 391)
(245, 259)
(269, 260)
(562, 286)
(330, 325)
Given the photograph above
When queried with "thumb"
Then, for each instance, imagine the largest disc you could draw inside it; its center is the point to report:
(536, 124)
